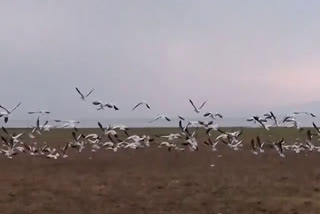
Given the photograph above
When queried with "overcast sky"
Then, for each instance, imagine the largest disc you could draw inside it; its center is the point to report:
(241, 56)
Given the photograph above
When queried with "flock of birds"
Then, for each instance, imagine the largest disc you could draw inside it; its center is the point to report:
(186, 138)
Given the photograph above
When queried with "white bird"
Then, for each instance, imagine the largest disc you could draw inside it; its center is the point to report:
(270, 115)
(104, 105)
(83, 97)
(14, 137)
(164, 117)
(211, 144)
(181, 118)
(205, 124)
(43, 112)
(141, 103)
(259, 120)
(8, 112)
(168, 145)
(226, 135)
(53, 156)
(39, 128)
(306, 113)
(123, 128)
(68, 123)
(172, 136)
(213, 116)
(195, 108)
(192, 143)
(316, 128)
(292, 120)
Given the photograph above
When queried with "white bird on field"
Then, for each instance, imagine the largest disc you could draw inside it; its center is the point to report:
(168, 145)
(172, 136)
(83, 97)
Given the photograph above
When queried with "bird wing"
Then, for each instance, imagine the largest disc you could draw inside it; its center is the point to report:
(223, 132)
(259, 141)
(219, 115)
(109, 105)
(157, 118)
(5, 130)
(316, 127)
(312, 115)
(58, 121)
(5, 109)
(100, 126)
(285, 119)
(181, 118)
(4, 140)
(193, 104)
(180, 125)
(97, 103)
(136, 106)
(203, 104)
(15, 107)
(79, 92)
(46, 123)
(32, 112)
(19, 135)
(253, 144)
(90, 92)
(207, 114)
(38, 123)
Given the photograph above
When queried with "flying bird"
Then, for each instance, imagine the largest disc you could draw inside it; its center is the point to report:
(39, 112)
(104, 105)
(259, 120)
(163, 117)
(271, 116)
(306, 113)
(83, 97)
(141, 103)
(213, 115)
(195, 108)
(8, 112)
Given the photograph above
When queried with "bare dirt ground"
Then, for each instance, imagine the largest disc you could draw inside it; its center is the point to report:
(154, 180)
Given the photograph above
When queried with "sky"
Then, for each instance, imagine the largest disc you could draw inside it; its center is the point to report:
(242, 56)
